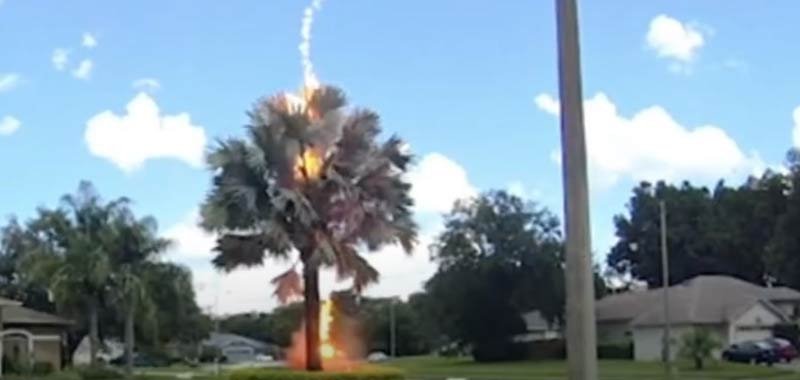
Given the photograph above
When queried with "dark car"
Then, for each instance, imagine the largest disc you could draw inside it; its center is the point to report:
(750, 352)
(142, 360)
(783, 349)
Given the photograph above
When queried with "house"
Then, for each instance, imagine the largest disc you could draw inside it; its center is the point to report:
(31, 335)
(734, 310)
(538, 328)
(239, 349)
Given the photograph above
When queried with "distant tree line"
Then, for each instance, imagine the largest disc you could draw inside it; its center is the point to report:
(750, 231)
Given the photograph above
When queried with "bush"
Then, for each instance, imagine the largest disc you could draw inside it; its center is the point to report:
(42, 368)
(553, 349)
(363, 373)
(622, 351)
(98, 373)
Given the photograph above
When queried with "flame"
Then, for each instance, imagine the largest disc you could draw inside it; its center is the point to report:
(326, 348)
(308, 165)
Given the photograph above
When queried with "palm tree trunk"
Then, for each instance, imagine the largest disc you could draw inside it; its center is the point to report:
(94, 340)
(129, 339)
(311, 295)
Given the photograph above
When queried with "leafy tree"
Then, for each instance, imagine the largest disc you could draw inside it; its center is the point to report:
(178, 317)
(284, 321)
(71, 254)
(311, 177)
(498, 258)
(782, 250)
(697, 346)
(15, 242)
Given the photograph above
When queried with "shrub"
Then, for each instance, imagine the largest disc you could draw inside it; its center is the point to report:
(553, 349)
(42, 368)
(98, 372)
(615, 351)
(363, 373)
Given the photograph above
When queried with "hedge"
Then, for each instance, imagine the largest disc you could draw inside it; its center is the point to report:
(363, 373)
(622, 351)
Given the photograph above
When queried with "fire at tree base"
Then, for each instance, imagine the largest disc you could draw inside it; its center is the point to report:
(341, 351)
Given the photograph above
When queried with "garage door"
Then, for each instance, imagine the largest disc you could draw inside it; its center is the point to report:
(743, 335)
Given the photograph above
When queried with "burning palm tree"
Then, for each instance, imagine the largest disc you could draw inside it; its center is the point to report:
(310, 180)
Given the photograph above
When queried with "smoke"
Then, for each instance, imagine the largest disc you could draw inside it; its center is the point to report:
(309, 77)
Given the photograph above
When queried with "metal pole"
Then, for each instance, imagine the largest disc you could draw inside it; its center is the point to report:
(666, 355)
(392, 331)
(581, 335)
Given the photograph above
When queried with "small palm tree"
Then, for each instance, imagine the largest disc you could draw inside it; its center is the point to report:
(698, 345)
(310, 178)
(134, 244)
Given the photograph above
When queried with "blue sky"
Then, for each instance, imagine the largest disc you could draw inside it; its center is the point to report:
(674, 89)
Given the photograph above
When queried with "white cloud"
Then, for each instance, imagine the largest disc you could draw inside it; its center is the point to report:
(146, 84)
(652, 145)
(796, 132)
(673, 39)
(401, 274)
(437, 182)
(88, 40)
(84, 69)
(190, 241)
(9, 125)
(60, 59)
(547, 103)
(9, 81)
(143, 134)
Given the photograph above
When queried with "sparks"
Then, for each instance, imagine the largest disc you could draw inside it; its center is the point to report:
(326, 348)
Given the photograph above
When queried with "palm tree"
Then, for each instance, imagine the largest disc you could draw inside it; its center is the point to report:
(70, 254)
(310, 177)
(134, 244)
(698, 345)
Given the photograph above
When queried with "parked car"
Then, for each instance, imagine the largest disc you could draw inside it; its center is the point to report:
(142, 360)
(377, 356)
(783, 349)
(750, 352)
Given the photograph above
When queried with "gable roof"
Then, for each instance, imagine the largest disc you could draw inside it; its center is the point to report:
(18, 315)
(701, 300)
(224, 339)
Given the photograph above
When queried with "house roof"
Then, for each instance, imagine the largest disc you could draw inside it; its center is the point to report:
(535, 321)
(703, 299)
(224, 339)
(18, 315)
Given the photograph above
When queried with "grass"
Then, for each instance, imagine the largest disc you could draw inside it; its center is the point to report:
(434, 368)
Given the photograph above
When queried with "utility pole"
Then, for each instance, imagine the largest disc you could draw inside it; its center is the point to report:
(665, 350)
(392, 330)
(581, 335)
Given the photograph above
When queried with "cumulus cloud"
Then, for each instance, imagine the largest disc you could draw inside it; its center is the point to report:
(88, 40)
(401, 274)
(146, 84)
(9, 81)
(9, 125)
(143, 134)
(84, 69)
(60, 59)
(437, 183)
(652, 145)
(671, 38)
(547, 103)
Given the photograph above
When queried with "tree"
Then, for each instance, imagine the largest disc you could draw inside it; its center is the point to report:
(498, 257)
(310, 177)
(178, 317)
(784, 245)
(15, 242)
(71, 254)
(697, 345)
(133, 245)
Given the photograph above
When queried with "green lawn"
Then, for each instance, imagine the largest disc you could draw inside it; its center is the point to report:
(433, 368)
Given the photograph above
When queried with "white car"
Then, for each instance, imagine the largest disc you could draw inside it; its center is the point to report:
(377, 356)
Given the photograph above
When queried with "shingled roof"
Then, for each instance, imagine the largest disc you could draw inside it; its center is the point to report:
(14, 314)
(701, 300)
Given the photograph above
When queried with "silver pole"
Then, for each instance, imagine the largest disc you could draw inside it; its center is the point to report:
(666, 355)
(581, 335)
